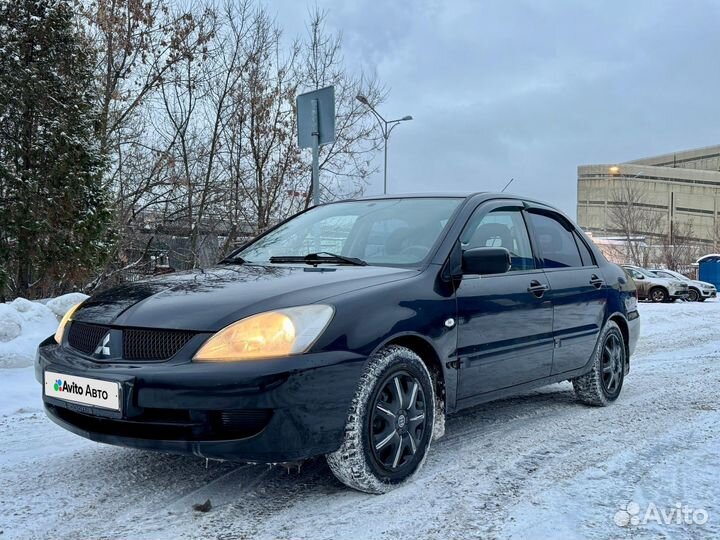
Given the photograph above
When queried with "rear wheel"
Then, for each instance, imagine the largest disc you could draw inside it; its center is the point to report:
(602, 385)
(658, 294)
(390, 425)
(693, 295)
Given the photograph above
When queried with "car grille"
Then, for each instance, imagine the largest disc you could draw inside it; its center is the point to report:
(153, 344)
(240, 423)
(137, 343)
(85, 337)
(172, 424)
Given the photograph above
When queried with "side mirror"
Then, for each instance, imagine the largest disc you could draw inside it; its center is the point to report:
(639, 276)
(486, 260)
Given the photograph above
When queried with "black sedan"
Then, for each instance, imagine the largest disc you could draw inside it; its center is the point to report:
(348, 331)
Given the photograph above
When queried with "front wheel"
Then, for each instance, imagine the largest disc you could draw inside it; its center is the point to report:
(390, 424)
(693, 295)
(603, 383)
(658, 294)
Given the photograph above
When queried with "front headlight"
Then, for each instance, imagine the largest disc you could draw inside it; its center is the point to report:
(63, 323)
(282, 332)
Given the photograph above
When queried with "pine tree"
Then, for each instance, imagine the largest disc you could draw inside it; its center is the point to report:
(54, 216)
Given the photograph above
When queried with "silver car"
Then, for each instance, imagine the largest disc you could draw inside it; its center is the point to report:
(654, 288)
(698, 291)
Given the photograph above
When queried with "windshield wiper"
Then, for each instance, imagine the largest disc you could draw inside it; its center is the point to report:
(232, 260)
(318, 258)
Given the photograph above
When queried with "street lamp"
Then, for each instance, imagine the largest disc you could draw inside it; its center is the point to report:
(615, 170)
(386, 126)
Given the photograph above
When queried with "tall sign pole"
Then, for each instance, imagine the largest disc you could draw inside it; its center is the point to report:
(315, 153)
(316, 127)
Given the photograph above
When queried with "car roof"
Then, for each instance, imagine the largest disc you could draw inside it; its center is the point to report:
(483, 195)
(433, 195)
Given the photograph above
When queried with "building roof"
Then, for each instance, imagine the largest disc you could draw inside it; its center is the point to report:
(677, 158)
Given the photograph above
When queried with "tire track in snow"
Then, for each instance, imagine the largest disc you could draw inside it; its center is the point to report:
(499, 463)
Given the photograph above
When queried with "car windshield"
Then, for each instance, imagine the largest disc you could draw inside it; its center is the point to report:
(644, 272)
(380, 232)
(669, 274)
(677, 275)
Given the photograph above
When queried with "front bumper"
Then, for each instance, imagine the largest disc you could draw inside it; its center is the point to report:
(262, 411)
(633, 321)
(712, 293)
(679, 294)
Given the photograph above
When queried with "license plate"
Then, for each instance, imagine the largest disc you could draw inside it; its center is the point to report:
(91, 392)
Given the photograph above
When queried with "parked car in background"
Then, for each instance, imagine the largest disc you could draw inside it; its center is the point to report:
(698, 291)
(654, 288)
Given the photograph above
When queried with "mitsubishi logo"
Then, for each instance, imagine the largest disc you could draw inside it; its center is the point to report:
(104, 348)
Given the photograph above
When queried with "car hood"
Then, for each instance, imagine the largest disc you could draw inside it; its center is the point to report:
(209, 299)
(667, 281)
(701, 283)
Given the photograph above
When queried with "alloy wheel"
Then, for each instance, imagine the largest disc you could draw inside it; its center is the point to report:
(612, 364)
(658, 295)
(398, 421)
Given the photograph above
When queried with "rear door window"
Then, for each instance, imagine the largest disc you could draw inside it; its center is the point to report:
(585, 255)
(557, 244)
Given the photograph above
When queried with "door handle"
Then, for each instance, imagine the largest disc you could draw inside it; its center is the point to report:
(596, 281)
(537, 288)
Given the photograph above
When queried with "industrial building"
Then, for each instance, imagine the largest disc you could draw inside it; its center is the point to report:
(656, 199)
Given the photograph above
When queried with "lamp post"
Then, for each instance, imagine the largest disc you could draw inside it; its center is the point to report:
(386, 126)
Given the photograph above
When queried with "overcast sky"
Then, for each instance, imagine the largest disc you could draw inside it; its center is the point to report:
(530, 90)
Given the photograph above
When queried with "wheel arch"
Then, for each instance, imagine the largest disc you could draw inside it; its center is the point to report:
(621, 321)
(429, 356)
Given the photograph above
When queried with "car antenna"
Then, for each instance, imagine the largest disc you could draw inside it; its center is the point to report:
(506, 185)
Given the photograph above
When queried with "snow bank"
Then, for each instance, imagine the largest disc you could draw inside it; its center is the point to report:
(10, 323)
(24, 324)
(62, 304)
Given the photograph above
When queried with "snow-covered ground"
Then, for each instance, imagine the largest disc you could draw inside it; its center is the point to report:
(535, 466)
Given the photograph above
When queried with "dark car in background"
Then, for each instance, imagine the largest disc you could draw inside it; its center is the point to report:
(348, 331)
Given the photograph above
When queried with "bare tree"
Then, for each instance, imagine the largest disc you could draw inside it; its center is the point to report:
(196, 98)
(679, 248)
(635, 219)
(138, 44)
(198, 122)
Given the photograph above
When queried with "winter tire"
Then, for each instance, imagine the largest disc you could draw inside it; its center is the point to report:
(602, 385)
(693, 295)
(658, 294)
(390, 423)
